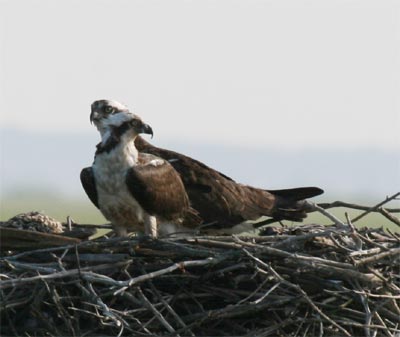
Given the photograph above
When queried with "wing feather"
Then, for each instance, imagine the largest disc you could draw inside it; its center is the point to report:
(219, 199)
(89, 185)
(158, 188)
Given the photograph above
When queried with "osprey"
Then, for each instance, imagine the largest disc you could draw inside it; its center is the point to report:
(224, 203)
(135, 191)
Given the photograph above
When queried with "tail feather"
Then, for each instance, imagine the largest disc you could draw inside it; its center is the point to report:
(299, 193)
(297, 213)
(291, 205)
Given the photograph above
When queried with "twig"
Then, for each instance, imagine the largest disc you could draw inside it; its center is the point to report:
(365, 252)
(180, 265)
(374, 258)
(170, 310)
(368, 314)
(58, 275)
(372, 209)
(156, 313)
(288, 243)
(335, 204)
(389, 216)
(298, 288)
(104, 226)
(336, 221)
(49, 269)
(104, 308)
(267, 293)
(349, 223)
(381, 321)
(69, 223)
(209, 285)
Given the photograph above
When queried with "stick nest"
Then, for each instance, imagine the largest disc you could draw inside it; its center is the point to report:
(307, 280)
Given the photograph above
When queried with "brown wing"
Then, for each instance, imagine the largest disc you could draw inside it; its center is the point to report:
(220, 199)
(89, 185)
(217, 198)
(158, 188)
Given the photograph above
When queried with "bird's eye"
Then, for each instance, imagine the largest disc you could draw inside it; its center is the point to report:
(108, 109)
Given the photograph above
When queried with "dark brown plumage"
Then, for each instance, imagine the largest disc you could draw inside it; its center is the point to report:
(160, 191)
(224, 202)
(89, 185)
(135, 191)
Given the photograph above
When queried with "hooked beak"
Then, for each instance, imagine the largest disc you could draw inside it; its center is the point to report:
(141, 127)
(147, 129)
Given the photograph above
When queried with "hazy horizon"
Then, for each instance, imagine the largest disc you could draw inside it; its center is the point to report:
(52, 162)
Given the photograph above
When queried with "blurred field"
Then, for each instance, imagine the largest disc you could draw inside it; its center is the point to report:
(82, 211)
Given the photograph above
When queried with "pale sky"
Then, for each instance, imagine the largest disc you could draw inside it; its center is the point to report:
(280, 73)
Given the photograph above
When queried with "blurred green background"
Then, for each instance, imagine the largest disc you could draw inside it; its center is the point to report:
(82, 211)
(39, 171)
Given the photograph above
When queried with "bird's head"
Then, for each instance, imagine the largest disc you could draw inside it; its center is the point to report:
(107, 115)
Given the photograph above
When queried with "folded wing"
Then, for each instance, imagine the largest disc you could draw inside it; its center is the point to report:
(89, 185)
(224, 202)
(158, 188)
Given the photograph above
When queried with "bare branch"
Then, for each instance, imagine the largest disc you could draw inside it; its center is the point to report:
(374, 208)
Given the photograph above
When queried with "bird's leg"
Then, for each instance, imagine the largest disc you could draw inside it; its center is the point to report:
(150, 226)
(120, 231)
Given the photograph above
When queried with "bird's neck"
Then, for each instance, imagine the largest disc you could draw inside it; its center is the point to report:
(102, 131)
(120, 146)
(128, 150)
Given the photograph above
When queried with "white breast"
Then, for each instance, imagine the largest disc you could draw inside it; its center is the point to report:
(114, 199)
